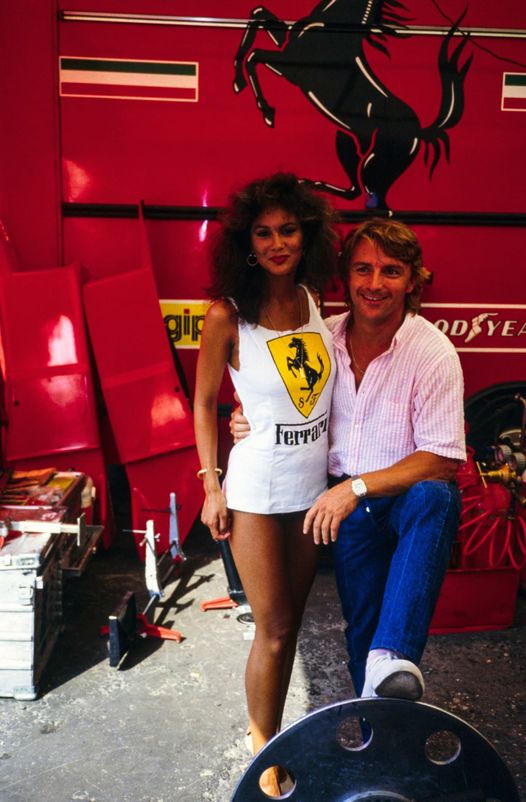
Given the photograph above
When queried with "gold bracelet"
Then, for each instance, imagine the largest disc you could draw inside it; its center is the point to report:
(202, 472)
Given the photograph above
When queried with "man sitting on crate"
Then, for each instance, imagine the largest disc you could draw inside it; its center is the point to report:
(396, 440)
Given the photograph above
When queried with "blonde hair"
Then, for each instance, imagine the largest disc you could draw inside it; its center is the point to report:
(396, 240)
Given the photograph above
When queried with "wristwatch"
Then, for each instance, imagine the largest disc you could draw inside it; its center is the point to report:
(359, 488)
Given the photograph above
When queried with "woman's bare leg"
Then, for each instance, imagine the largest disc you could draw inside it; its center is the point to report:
(276, 564)
(301, 559)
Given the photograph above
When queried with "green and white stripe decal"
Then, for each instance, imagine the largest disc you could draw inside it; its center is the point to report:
(513, 91)
(125, 79)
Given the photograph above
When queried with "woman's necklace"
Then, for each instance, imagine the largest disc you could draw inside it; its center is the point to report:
(355, 363)
(299, 310)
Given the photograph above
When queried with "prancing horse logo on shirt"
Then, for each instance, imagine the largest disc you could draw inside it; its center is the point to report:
(303, 377)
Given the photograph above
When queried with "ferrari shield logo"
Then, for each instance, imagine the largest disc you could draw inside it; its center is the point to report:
(304, 365)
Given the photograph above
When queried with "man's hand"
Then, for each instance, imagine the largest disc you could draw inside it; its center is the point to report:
(328, 511)
(239, 425)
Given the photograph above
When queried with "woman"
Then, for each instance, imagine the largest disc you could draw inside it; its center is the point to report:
(276, 244)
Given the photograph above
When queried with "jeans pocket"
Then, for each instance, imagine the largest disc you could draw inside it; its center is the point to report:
(378, 511)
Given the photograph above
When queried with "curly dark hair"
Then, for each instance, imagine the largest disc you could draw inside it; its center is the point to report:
(396, 240)
(233, 278)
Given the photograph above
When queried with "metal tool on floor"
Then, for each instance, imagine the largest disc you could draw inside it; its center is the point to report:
(415, 753)
(126, 624)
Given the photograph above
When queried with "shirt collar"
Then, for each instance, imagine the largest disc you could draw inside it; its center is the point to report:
(404, 332)
(400, 336)
(339, 331)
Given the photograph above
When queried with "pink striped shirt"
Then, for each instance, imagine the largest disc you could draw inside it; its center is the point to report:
(410, 399)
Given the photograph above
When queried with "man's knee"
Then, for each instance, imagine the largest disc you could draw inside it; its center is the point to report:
(433, 493)
(430, 504)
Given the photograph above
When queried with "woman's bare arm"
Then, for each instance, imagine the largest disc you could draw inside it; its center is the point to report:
(217, 342)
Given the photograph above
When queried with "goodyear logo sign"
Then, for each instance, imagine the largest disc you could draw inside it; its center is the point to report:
(184, 321)
(481, 328)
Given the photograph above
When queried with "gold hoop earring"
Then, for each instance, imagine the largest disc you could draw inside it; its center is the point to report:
(252, 259)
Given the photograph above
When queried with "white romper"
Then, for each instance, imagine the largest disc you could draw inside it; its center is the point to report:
(284, 382)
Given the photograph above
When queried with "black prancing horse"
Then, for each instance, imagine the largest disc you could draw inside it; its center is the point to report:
(301, 362)
(378, 134)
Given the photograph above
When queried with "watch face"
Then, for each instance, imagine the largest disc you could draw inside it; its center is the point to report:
(359, 487)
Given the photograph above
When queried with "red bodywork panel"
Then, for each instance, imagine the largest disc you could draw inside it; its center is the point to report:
(49, 397)
(147, 409)
(50, 400)
(149, 415)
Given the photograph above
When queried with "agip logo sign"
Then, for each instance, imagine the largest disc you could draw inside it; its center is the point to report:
(184, 321)
(483, 328)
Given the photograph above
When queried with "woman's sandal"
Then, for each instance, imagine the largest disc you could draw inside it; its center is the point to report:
(285, 781)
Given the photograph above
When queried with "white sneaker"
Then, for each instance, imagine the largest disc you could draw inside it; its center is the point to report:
(393, 677)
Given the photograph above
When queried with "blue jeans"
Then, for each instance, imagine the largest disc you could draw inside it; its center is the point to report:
(390, 558)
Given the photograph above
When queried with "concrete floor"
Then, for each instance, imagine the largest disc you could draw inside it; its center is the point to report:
(168, 725)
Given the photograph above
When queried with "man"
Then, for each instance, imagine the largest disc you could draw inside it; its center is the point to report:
(396, 440)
